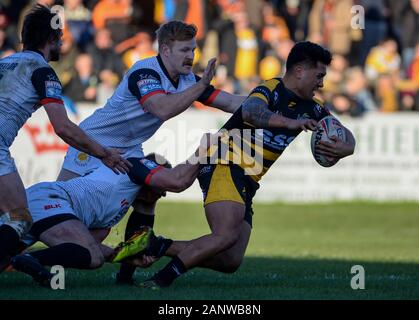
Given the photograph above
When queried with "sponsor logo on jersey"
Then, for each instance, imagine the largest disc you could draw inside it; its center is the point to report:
(205, 170)
(148, 85)
(53, 89)
(279, 142)
(147, 81)
(149, 164)
(292, 104)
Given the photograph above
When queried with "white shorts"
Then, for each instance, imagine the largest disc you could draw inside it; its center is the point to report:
(81, 163)
(7, 164)
(44, 201)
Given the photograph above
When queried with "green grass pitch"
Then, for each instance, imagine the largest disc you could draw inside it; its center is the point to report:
(295, 252)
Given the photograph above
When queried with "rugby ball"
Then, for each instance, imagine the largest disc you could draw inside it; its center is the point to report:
(327, 127)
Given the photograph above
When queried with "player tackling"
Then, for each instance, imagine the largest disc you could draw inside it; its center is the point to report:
(152, 91)
(282, 108)
(65, 211)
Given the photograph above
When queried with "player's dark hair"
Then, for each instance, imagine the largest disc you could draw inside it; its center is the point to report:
(308, 53)
(159, 159)
(38, 28)
(175, 31)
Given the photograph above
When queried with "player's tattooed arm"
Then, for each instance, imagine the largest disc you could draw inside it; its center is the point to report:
(255, 112)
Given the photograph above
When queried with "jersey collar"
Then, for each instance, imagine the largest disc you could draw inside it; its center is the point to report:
(162, 66)
(36, 51)
(291, 94)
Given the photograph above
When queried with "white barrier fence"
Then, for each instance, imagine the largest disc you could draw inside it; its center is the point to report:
(385, 165)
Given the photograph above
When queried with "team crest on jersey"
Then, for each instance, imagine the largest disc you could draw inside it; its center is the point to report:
(82, 159)
(149, 164)
(292, 104)
(53, 89)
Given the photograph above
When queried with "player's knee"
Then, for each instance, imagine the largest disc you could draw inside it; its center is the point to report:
(231, 262)
(19, 219)
(100, 234)
(227, 239)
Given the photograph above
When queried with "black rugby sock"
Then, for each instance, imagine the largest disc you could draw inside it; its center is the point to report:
(68, 255)
(174, 269)
(9, 241)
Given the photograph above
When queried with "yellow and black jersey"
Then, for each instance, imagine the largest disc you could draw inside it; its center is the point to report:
(253, 149)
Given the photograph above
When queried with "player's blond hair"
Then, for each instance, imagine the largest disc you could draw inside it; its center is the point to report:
(175, 31)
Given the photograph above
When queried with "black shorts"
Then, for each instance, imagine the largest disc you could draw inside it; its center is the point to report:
(221, 182)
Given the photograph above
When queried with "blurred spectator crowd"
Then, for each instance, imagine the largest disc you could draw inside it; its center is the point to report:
(373, 69)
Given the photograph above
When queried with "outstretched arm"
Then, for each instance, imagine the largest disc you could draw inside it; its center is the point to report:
(166, 106)
(183, 175)
(227, 102)
(177, 179)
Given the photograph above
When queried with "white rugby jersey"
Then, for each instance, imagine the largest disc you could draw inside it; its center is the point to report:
(123, 122)
(27, 82)
(101, 198)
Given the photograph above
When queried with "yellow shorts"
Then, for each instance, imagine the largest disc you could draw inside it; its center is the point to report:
(221, 182)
